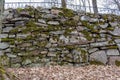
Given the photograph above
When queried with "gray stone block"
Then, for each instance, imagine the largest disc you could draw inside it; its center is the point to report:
(4, 45)
(3, 35)
(53, 22)
(116, 32)
(113, 52)
(99, 56)
(7, 29)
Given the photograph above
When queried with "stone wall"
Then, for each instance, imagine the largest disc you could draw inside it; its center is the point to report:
(41, 37)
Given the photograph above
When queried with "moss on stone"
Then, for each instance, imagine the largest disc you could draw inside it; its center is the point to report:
(110, 28)
(30, 37)
(19, 10)
(72, 23)
(31, 24)
(87, 35)
(53, 28)
(117, 63)
(19, 40)
(30, 9)
(31, 13)
(97, 36)
(112, 47)
(89, 26)
(9, 40)
(56, 38)
(66, 12)
(110, 41)
(83, 55)
(42, 44)
(48, 19)
(69, 47)
(50, 28)
(84, 23)
(32, 29)
(14, 31)
(68, 31)
(105, 16)
(4, 60)
(96, 63)
(15, 50)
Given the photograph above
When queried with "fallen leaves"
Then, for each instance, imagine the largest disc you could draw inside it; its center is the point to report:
(91, 72)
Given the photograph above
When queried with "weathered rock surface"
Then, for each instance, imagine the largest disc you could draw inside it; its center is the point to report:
(99, 56)
(4, 45)
(58, 37)
(113, 52)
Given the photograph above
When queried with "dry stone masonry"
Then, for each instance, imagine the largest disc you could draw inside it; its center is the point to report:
(57, 36)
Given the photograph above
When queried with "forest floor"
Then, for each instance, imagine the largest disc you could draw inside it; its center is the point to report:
(91, 72)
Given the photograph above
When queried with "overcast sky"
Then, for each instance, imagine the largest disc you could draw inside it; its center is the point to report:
(23, 0)
(100, 2)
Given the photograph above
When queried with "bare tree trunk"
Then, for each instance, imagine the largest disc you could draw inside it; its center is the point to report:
(95, 8)
(2, 2)
(117, 3)
(89, 6)
(63, 3)
(84, 4)
(80, 4)
(1, 6)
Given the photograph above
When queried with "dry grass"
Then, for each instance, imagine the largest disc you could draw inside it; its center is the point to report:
(68, 73)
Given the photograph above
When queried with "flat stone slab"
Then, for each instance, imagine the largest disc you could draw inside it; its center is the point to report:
(7, 29)
(1, 53)
(41, 24)
(57, 32)
(49, 16)
(99, 56)
(22, 35)
(117, 40)
(3, 45)
(41, 21)
(113, 24)
(53, 22)
(19, 23)
(93, 20)
(3, 35)
(99, 44)
(104, 26)
(116, 32)
(113, 52)
(85, 18)
(92, 50)
(11, 55)
(9, 25)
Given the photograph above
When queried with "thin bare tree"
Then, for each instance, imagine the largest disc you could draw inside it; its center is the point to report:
(89, 6)
(84, 4)
(95, 8)
(63, 3)
(117, 2)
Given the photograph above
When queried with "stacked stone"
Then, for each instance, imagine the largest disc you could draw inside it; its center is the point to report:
(58, 36)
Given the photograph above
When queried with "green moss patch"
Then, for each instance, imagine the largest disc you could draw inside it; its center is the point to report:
(70, 23)
(9, 40)
(96, 63)
(66, 12)
(19, 10)
(117, 63)
(87, 35)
